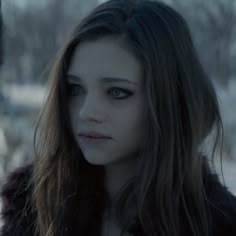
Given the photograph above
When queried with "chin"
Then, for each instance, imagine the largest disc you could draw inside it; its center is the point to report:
(98, 162)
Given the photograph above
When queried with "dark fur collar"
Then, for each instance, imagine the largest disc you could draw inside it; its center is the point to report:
(17, 215)
(19, 218)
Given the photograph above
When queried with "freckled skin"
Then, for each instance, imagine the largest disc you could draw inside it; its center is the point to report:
(95, 109)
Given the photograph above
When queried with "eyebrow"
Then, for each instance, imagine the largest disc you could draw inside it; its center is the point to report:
(76, 78)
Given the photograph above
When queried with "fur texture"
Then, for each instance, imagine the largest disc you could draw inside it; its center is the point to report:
(18, 217)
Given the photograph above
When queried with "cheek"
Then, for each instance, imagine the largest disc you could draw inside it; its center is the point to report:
(133, 120)
(138, 122)
(72, 114)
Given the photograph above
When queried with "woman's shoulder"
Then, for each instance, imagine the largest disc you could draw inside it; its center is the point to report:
(16, 213)
(222, 203)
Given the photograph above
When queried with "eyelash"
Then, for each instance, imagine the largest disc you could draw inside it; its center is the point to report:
(128, 93)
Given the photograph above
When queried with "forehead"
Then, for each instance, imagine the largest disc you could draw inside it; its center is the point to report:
(104, 57)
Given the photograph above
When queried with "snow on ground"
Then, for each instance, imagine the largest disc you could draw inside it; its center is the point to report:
(229, 173)
(24, 95)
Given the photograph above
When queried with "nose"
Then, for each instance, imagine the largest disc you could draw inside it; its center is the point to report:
(92, 109)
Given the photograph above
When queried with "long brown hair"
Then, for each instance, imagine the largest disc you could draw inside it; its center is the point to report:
(182, 109)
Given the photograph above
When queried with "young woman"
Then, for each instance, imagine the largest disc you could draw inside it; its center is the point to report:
(119, 142)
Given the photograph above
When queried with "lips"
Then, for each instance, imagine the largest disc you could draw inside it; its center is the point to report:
(93, 134)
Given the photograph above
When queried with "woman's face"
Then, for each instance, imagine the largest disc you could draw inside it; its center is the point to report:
(106, 96)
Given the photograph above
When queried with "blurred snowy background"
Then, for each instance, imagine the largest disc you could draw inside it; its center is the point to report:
(33, 32)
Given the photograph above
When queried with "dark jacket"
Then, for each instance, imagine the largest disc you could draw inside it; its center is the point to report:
(18, 217)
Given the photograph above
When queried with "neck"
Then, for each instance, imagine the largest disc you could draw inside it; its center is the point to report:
(117, 176)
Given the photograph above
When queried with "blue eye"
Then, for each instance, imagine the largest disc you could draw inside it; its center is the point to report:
(74, 90)
(115, 91)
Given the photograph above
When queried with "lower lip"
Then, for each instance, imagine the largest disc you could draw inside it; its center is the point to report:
(91, 140)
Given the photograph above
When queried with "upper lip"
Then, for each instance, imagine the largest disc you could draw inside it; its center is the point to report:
(93, 134)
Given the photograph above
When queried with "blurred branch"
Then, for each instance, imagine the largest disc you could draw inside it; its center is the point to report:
(34, 35)
(213, 23)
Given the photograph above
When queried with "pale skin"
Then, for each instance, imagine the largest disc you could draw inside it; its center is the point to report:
(96, 104)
